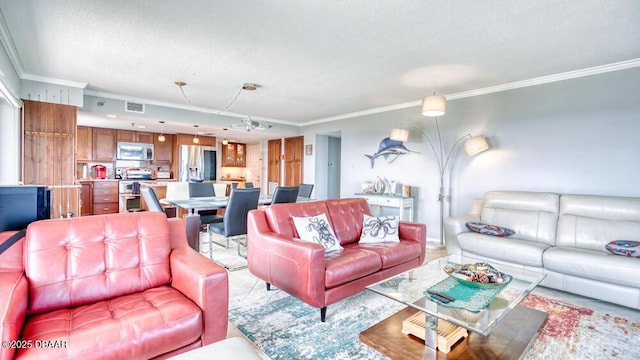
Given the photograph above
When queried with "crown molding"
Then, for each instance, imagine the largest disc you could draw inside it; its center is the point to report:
(622, 65)
(48, 80)
(10, 46)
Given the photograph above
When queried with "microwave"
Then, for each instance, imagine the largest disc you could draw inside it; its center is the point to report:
(134, 151)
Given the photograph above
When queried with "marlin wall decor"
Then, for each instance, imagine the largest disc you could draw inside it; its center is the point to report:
(388, 148)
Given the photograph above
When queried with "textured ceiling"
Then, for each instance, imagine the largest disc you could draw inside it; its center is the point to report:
(313, 59)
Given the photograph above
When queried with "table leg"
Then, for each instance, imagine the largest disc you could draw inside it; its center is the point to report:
(430, 337)
(192, 223)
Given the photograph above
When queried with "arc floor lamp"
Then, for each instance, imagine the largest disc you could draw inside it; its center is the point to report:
(434, 106)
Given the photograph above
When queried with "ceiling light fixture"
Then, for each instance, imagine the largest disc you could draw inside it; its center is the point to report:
(225, 141)
(249, 124)
(181, 84)
(195, 135)
(161, 137)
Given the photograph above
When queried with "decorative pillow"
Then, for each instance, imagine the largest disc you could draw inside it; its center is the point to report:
(379, 229)
(316, 229)
(487, 229)
(624, 247)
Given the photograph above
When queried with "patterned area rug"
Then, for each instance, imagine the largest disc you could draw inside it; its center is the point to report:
(574, 332)
(286, 328)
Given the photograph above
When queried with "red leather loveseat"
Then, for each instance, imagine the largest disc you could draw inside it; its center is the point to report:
(301, 269)
(120, 286)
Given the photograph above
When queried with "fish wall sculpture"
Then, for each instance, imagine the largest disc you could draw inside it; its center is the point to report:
(388, 148)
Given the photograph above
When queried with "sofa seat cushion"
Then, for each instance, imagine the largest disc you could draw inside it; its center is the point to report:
(135, 326)
(508, 249)
(350, 264)
(596, 265)
(393, 254)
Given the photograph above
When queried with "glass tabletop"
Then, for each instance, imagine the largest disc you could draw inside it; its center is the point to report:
(410, 288)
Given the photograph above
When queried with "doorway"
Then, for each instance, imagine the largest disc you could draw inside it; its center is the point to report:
(333, 167)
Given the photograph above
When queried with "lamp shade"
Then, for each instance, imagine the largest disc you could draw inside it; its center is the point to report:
(434, 105)
(476, 145)
(161, 138)
(399, 135)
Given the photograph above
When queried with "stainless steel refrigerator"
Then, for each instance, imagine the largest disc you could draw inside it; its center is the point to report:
(197, 163)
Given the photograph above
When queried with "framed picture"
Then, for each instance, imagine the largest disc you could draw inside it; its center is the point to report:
(308, 149)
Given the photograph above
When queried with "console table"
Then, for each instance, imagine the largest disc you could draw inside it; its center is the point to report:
(390, 201)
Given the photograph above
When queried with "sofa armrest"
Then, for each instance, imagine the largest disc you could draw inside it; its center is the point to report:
(14, 297)
(454, 226)
(409, 231)
(293, 266)
(206, 284)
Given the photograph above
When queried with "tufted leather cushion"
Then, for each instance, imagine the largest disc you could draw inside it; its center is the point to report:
(279, 216)
(78, 261)
(347, 218)
(393, 254)
(141, 325)
(350, 264)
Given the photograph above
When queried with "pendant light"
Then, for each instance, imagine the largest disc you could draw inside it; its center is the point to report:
(195, 135)
(225, 141)
(161, 137)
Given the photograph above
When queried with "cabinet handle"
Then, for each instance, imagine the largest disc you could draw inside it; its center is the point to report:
(105, 209)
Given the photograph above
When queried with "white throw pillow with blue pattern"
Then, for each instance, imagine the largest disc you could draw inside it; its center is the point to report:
(379, 229)
(317, 229)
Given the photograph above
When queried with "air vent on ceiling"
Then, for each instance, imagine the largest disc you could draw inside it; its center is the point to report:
(134, 107)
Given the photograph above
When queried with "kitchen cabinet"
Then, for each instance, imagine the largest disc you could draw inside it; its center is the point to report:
(84, 140)
(187, 139)
(105, 197)
(86, 198)
(234, 155)
(163, 151)
(104, 144)
(135, 136)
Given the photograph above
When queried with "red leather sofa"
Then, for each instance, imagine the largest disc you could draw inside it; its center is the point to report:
(301, 269)
(120, 286)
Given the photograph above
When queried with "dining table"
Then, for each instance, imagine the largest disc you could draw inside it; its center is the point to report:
(192, 205)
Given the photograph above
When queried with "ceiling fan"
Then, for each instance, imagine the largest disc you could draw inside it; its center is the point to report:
(249, 124)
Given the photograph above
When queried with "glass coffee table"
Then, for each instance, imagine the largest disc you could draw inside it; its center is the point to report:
(502, 327)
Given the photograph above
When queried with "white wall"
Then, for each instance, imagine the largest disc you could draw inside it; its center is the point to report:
(573, 136)
(9, 122)
(9, 143)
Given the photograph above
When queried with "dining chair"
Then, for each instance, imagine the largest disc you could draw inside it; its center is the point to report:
(305, 190)
(234, 224)
(151, 199)
(248, 185)
(285, 194)
(207, 216)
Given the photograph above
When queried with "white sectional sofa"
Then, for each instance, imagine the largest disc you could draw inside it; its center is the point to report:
(563, 236)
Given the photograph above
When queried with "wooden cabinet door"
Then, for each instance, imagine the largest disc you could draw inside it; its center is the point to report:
(229, 155)
(293, 152)
(84, 139)
(86, 198)
(104, 144)
(273, 160)
(126, 135)
(241, 155)
(144, 137)
(163, 151)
